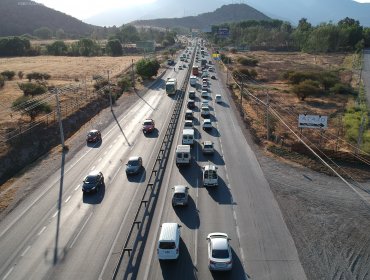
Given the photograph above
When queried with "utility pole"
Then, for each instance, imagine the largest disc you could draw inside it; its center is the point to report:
(133, 74)
(110, 93)
(59, 119)
(241, 97)
(360, 132)
(267, 116)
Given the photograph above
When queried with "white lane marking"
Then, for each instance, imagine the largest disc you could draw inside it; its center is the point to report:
(78, 234)
(110, 146)
(78, 186)
(55, 214)
(25, 251)
(41, 231)
(99, 160)
(234, 214)
(115, 141)
(8, 273)
(104, 153)
(68, 198)
(92, 168)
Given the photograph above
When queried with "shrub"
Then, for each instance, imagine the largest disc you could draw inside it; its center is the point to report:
(9, 75)
(30, 107)
(100, 83)
(20, 75)
(2, 81)
(306, 88)
(37, 76)
(147, 68)
(124, 83)
(340, 88)
(32, 89)
(245, 71)
(247, 61)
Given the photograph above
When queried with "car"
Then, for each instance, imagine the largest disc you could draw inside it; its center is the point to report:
(207, 147)
(204, 74)
(204, 94)
(180, 67)
(192, 94)
(219, 252)
(94, 135)
(134, 165)
(218, 98)
(204, 103)
(191, 104)
(148, 125)
(213, 77)
(92, 182)
(205, 80)
(207, 124)
(204, 111)
(180, 195)
(188, 115)
(188, 124)
(184, 65)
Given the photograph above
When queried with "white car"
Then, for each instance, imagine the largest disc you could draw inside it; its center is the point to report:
(218, 98)
(204, 103)
(207, 147)
(219, 251)
(205, 94)
(207, 124)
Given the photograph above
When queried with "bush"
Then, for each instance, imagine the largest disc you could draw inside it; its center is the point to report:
(9, 75)
(32, 89)
(114, 48)
(247, 61)
(306, 88)
(100, 83)
(124, 83)
(31, 107)
(20, 75)
(147, 68)
(37, 76)
(2, 81)
(245, 71)
(340, 88)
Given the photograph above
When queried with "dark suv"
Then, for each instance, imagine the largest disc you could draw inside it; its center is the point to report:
(93, 136)
(92, 182)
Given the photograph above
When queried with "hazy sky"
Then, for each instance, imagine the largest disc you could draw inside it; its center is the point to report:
(83, 9)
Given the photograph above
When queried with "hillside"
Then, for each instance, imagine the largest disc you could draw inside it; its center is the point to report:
(17, 18)
(227, 13)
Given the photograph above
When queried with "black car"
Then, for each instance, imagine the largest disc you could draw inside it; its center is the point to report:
(191, 104)
(92, 182)
(93, 136)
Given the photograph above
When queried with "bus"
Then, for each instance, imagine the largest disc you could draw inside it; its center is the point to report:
(195, 70)
(171, 86)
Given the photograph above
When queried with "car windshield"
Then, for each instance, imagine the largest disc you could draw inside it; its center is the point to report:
(147, 123)
(167, 245)
(207, 146)
(133, 162)
(179, 195)
(220, 254)
(92, 134)
(90, 179)
(210, 174)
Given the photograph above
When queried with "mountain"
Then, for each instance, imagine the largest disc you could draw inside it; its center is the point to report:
(20, 17)
(227, 13)
(316, 11)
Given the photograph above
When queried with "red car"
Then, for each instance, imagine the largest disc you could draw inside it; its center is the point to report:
(93, 136)
(148, 125)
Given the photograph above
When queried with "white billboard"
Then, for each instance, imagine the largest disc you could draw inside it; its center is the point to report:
(312, 121)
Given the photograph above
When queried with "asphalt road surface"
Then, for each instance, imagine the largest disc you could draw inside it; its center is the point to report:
(59, 233)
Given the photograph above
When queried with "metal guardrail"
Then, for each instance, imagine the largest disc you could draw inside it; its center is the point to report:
(142, 220)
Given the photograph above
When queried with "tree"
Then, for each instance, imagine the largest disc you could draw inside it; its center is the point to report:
(128, 34)
(57, 48)
(306, 88)
(9, 75)
(32, 89)
(60, 34)
(14, 46)
(43, 33)
(30, 106)
(84, 47)
(114, 48)
(147, 68)
(37, 76)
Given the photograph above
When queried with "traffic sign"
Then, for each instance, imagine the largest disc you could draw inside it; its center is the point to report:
(312, 121)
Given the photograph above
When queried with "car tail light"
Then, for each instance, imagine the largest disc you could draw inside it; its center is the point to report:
(229, 262)
(212, 262)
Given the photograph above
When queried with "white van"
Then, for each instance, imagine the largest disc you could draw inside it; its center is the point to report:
(169, 241)
(210, 177)
(183, 154)
(188, 136)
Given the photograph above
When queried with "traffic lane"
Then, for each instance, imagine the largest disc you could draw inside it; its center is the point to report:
(47, 208)
(104, 232)
(268, 247)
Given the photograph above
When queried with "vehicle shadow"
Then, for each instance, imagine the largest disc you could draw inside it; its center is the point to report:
(137, 178)
(153, 134)
(94, 198)
(237, 272)
(120, 128)
(221, 193)
(94, 145)
(182, 268)
(215, 158)
(223, 104)
(212, 118)
(195, 121)
(191, 173)
(188, 215)
(214, 132)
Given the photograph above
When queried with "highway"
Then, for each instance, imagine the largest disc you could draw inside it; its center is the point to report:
(59, 233)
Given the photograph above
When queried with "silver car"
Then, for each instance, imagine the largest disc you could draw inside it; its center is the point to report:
(219, 251)
(180, 195)
(134, 165)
